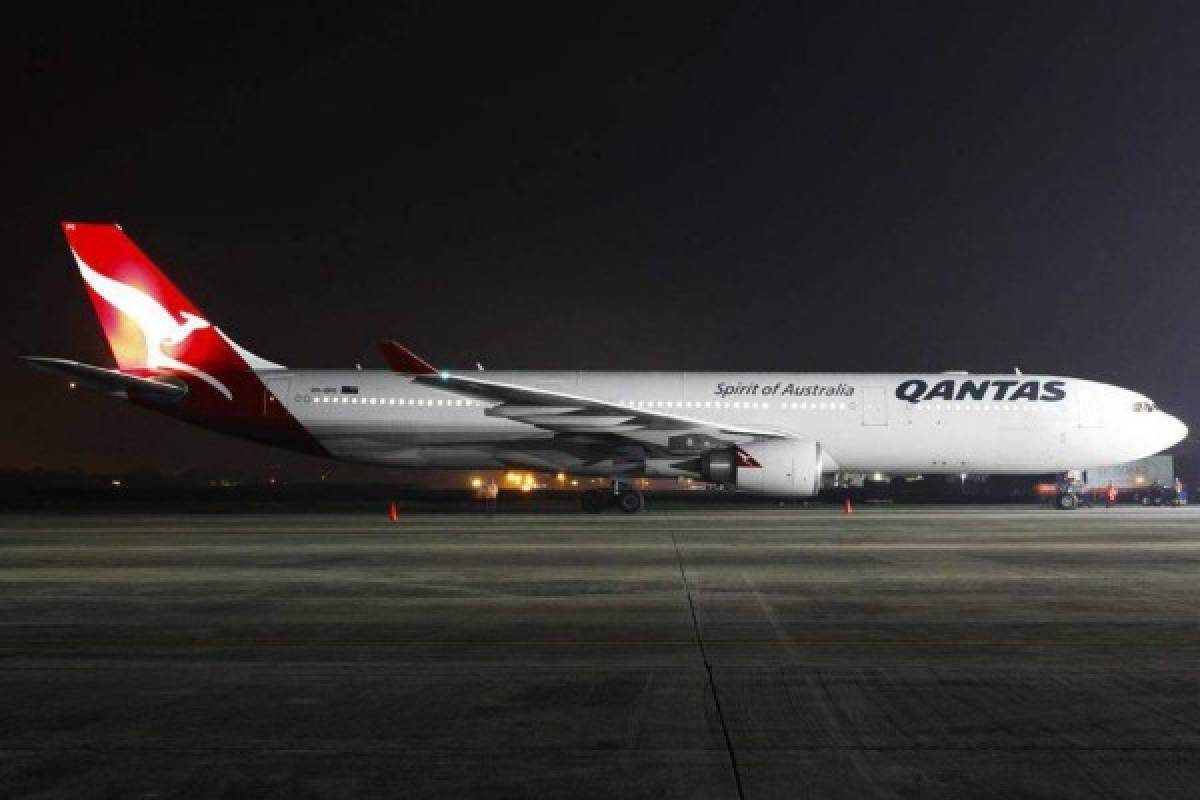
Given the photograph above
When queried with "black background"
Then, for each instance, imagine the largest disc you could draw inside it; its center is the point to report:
(740, 187)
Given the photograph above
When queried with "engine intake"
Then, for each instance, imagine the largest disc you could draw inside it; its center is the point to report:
(788, 467)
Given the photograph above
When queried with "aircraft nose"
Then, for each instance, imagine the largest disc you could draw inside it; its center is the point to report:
(1173, 431)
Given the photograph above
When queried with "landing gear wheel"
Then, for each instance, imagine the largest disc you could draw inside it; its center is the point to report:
(630, 501)
(1067, 501)
(596, 500)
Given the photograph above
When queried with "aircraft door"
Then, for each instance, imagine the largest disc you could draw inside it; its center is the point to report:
(275, 395)
(874, 405)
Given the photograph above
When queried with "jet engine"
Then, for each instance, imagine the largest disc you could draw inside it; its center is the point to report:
(789, 467)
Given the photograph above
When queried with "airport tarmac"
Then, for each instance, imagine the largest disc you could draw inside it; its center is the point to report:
(760, 654)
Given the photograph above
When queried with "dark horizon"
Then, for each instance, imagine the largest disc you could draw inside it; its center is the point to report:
(814, 188)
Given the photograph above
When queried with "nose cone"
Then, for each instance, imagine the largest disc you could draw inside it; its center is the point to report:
(1173, 431)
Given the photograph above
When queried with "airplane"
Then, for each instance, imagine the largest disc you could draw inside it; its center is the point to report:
(780, 434)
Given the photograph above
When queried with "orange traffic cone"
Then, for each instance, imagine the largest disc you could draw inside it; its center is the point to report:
(849, 508)
(392, 515)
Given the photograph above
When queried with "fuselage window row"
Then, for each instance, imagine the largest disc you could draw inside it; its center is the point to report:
(986, 407)
(671, 404)
(753, 405)
(392, 401)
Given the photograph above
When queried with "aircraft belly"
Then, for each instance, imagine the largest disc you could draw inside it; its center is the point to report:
(421, 444)
(950, 445)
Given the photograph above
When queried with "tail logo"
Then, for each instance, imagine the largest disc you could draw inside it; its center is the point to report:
(159, 327)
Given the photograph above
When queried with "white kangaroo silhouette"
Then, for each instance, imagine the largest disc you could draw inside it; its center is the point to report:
(158, 326)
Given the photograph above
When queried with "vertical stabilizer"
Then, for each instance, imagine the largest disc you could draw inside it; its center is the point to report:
(150, 325)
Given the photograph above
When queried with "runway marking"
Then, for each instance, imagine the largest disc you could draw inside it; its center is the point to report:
(498, 751)
(757, 547)
(708, 669)
(94, 644)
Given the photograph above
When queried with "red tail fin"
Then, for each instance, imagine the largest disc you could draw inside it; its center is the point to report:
(151, 326)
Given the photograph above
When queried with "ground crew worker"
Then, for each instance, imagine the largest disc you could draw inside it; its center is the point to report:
(1110, 495)
(490, 493)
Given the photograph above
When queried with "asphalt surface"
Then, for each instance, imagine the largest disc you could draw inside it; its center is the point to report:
(890, 653)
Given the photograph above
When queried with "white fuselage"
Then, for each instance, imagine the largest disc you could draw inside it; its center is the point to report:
(766, 432)
(863, 422)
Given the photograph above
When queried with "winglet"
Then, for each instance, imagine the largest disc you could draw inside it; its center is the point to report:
(403, 360)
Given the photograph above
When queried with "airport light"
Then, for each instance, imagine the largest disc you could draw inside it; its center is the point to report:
(476, 483)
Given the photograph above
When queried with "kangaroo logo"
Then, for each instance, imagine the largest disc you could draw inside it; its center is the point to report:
(745, 460)
(159, 327)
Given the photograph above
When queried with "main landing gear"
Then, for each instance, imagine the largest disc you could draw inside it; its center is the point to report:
(630, 501)
(621, 495)
(1068, 491)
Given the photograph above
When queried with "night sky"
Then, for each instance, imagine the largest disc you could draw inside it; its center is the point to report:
(877, 187)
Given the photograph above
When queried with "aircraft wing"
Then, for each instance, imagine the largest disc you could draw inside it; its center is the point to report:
(571, 414)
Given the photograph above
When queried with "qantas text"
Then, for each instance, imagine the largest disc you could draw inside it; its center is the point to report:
(916, 390)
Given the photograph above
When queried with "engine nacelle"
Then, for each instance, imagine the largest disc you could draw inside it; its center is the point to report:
(790, 467)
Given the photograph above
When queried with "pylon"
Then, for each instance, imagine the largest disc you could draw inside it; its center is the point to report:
(849, 508)
(392, 515)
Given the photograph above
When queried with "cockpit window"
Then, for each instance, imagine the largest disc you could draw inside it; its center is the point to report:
(1140, 406)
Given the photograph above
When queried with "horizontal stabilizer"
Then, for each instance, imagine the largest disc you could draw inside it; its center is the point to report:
(111, 381)
(403, 360)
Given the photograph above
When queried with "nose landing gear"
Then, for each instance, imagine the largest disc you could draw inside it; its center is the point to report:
(1066, 501)
(1069, 487)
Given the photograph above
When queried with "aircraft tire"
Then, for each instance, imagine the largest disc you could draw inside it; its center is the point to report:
(1067, 501)
(630, 501)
